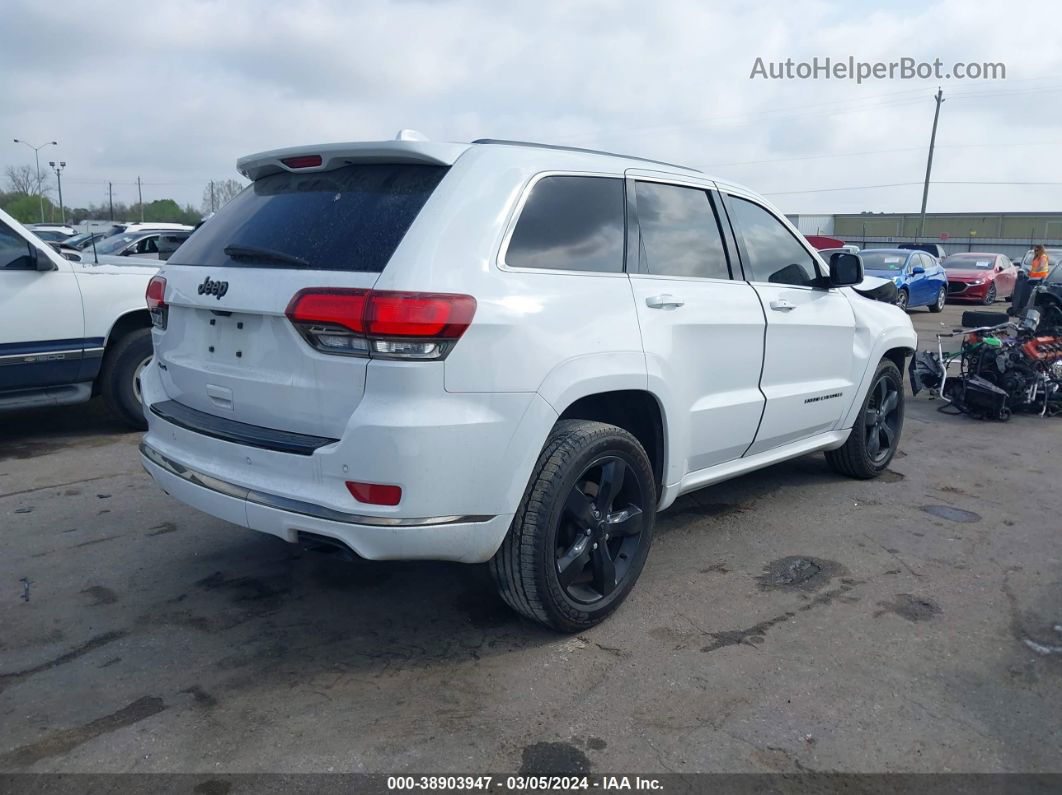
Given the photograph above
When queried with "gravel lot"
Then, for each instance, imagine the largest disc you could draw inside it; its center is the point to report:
(789, 620)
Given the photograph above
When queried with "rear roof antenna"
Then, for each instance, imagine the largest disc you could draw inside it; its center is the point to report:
(410, 135)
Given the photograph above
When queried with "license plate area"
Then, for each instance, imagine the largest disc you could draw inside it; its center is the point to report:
(229, 337)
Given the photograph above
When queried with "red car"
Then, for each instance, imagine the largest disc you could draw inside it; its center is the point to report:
(984, 278)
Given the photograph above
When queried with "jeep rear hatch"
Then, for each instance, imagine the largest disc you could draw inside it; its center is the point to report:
(228, 347)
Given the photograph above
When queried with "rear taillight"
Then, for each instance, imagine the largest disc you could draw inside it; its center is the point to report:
(381, 324)
(156, 304)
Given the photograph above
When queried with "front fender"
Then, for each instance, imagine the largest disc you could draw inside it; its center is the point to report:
(879, 329)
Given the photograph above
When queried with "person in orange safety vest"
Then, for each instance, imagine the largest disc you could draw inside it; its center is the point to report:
(1039, 265)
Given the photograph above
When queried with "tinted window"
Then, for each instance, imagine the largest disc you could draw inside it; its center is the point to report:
(149, 245)
(570, 223)
(774, 254)
(883, 260)
(349, 219)
(14, 250)
(679, 232)
(971, 262)
(112, 245)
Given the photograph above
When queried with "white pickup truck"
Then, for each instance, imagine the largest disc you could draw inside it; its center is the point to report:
(70, 330)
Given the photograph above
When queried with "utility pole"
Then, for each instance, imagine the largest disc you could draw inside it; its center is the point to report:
(110, 198)
(37, 157)
(140, 196)
(929, 163)
(58, 169)
(212, 205)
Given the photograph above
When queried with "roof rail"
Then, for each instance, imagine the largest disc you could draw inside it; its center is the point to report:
(504, 142)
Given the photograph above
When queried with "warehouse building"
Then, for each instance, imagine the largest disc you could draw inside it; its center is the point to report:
(1011, 234)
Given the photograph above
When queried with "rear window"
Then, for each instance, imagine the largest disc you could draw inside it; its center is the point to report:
(570, 223)
(349, 219)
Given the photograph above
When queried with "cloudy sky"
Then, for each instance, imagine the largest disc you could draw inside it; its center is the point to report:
(175, 91)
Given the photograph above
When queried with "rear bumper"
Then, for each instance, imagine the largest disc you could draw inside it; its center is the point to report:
(466, 539)
(462, 460)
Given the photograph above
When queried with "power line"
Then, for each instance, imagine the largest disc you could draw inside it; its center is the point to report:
(880, 152)
(905, 185)
(794, 110)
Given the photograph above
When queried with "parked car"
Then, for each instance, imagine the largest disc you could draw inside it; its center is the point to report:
(1054, 256)
(143, 244)
(52, 233)
(872, 286)
(69, 331)
(980, 277)
(83, 240)
(929, 248)
(406, 368)
(920, 280)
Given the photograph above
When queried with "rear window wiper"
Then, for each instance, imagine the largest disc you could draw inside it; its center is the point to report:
(267, 254)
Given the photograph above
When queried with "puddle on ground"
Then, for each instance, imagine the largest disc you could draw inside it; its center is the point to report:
(798, 573)
(952, 514)
(913, 608)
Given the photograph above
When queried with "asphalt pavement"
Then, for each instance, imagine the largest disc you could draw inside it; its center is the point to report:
(789, 620)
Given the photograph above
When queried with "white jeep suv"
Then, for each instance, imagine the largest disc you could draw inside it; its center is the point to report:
(503, 352)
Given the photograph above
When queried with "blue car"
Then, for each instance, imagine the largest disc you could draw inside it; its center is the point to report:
(919, 277)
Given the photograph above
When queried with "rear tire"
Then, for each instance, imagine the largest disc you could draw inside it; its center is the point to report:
(938, 305)
(119, 376)
(858, 458)
(576, 548)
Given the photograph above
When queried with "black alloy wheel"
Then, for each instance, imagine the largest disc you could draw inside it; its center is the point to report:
(583, 530)
(881, 419)
(600, 530)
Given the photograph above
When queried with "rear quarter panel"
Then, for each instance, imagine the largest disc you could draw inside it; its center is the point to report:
(533, 330)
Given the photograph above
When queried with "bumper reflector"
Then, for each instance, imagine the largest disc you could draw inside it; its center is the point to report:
(375, 493)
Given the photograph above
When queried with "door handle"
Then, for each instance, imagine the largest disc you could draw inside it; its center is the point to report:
(781, 305)
(664, 301)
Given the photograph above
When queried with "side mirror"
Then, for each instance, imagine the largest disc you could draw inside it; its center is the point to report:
(845, 269)
(917, 269)
(40, 261)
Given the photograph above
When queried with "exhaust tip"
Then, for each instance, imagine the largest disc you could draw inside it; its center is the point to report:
(326, 545)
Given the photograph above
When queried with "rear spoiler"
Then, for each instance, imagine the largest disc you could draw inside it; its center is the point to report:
(325, 157)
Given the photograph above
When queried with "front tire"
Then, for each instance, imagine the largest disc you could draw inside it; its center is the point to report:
(990, 295)
(583, 530)
(938, 305)
(903, 298)
(119, 378)
(876, 432)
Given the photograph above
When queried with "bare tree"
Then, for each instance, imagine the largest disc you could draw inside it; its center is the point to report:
(21, 179)
(218, 193)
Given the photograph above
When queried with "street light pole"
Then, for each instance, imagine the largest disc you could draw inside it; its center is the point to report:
(58, 169)
(37, 157)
